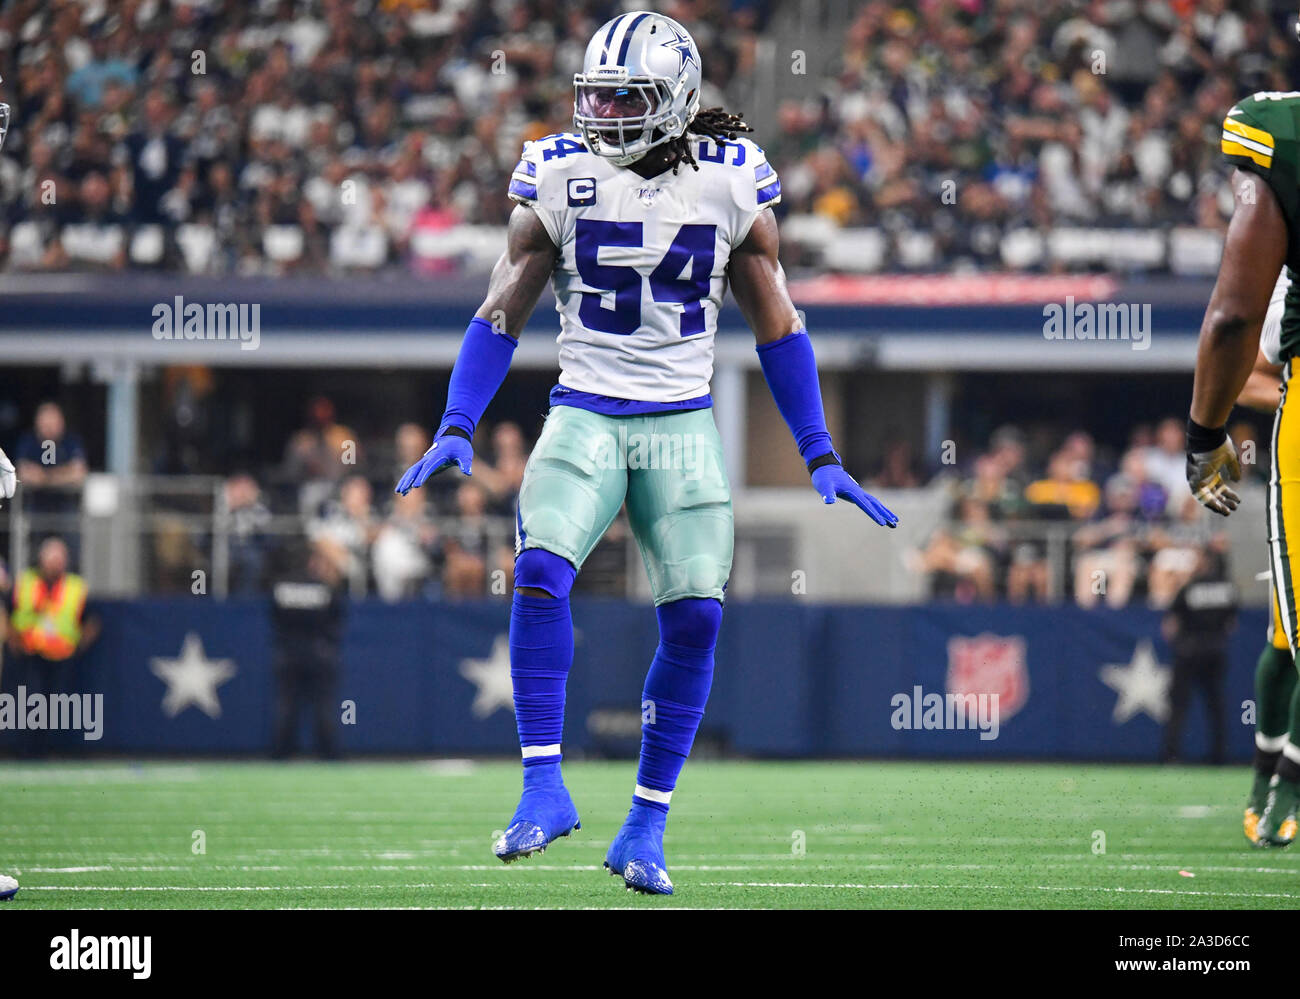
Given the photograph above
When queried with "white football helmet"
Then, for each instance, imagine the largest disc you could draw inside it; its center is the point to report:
(639, 86)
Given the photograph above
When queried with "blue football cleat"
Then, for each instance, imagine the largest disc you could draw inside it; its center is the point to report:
(543, 816)
(637, 853)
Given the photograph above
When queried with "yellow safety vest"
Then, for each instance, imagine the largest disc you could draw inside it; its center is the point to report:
(47, 619)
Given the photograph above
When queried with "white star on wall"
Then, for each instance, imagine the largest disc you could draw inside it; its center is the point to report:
(1142, 685)
(192, 678)
(491, 676)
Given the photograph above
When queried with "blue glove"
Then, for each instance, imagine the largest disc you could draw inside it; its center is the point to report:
(479, 371)
(831, 481)
(447, 450)
(791, 371)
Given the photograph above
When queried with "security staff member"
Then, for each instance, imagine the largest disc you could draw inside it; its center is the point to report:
(307, 612)
(47, 628)
(1197, 625)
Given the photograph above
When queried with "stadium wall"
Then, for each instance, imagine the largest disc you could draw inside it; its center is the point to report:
(792, 680)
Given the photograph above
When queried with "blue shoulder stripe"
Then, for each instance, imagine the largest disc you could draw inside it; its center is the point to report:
(522, 190)
(769, 193)
(524, 166)
(763, 171)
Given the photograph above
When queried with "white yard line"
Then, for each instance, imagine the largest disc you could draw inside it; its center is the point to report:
(517, 885)
(787, 865)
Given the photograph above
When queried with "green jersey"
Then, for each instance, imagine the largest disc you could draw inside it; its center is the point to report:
(1261, 134)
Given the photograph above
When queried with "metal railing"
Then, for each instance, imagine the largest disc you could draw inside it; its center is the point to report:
(153, 534)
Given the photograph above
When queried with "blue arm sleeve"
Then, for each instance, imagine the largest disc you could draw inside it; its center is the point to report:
(791, 371)
(480, 369)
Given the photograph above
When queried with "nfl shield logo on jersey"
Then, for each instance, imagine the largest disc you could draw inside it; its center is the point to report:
(990, 664)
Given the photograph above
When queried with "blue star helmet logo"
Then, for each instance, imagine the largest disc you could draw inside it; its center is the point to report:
(681, 44)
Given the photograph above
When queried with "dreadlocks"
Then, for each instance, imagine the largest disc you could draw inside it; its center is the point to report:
(712, 123)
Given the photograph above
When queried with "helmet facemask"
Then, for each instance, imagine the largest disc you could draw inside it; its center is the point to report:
(623, 117)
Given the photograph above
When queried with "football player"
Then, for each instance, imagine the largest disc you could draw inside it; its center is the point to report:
(639, 219)
(1260, 139)
(1275, 673)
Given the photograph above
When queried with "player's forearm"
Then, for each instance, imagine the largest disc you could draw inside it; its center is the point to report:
(1225, 357)
(480, 369)
(790, 368)
(1261, 391)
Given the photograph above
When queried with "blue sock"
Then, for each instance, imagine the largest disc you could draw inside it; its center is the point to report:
(676, 689)
(541, 652)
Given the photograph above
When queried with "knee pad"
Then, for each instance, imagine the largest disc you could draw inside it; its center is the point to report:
(692, 622)
(543, 570)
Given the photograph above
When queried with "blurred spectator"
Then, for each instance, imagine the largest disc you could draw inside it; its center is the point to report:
(898, 467)
(1197, 626)
(1166, 460)
(350, 524)
(961, 560)
(503, 477)
(318, 455)
(248, 519)
(51, 465)
(402, 555)
(1065, 491)
(48, 627)
(1177, 546)
(307, 614)
(467, 544)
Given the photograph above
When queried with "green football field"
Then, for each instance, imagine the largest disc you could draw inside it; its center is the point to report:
(803, 835)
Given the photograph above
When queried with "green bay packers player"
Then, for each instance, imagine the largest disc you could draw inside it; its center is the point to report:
(1275, 672)
(640, 219)
(1261, 139)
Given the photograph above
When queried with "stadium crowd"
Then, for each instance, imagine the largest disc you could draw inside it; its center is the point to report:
(314, 136)
(1036, 515)
(1127, 526)
(454, 538)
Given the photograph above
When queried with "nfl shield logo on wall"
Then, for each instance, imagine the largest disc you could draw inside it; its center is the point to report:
(990, 664)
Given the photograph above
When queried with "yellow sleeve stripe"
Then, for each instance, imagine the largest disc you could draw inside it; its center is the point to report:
(1247, 132)
(1235, 148)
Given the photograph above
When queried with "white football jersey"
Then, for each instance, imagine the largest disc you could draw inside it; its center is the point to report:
(1270, 337)
(642, 269)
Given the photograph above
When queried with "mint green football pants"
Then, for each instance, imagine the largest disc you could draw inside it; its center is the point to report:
(668, 467)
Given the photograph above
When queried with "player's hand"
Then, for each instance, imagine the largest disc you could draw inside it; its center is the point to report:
(447, 450)
(831, 481)
(1208, 481)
